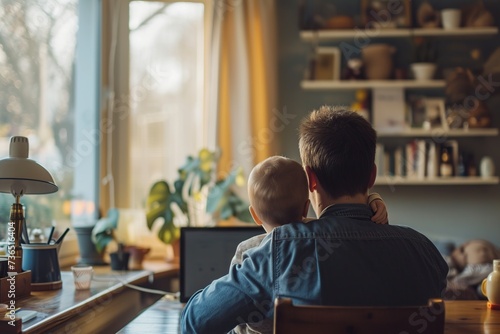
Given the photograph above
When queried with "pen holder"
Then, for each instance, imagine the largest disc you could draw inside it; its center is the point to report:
(43, 262)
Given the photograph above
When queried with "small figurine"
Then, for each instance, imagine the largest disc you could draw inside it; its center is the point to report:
(354, 70)
(361, 104)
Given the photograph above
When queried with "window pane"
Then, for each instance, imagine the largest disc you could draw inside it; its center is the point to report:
(166, 78)
(37, 48)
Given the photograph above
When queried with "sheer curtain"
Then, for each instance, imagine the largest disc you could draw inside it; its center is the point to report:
(241, 94)
(239, 91)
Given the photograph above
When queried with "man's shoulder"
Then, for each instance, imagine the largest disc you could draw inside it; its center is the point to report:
(251, 242)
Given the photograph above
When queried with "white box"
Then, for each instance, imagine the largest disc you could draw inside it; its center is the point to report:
(389, 109)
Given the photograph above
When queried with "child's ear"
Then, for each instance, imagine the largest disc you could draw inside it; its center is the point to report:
(306, 208)
(254, 216)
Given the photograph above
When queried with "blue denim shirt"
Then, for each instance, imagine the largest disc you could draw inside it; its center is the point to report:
(342, 258)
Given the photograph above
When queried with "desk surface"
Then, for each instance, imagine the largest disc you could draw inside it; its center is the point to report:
(462, 317)
(61, 307)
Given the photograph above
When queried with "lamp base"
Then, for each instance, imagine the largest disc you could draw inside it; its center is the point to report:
(56, 285)
(15, 287)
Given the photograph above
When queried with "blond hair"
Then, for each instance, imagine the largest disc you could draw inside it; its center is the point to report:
(278, 191)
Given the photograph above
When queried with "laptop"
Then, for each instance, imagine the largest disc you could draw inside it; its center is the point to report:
(206, 254)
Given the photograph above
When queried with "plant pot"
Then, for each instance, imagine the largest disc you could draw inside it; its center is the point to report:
(423, 71)
(119, 260)
(378, 62)
(173, 252)
(88, 253)
(137, 255)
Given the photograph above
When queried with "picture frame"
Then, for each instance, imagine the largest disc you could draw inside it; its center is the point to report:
(386, 13)
(327, 63)
(435, 113)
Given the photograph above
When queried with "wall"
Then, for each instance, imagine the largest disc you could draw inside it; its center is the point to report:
(445, 212)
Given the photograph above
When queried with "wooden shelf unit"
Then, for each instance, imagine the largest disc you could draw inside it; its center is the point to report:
(435, 181)
(358, 84)
(324, 35)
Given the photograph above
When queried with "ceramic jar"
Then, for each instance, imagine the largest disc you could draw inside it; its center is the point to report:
(378, 61)
(487, 167)
(491, 286)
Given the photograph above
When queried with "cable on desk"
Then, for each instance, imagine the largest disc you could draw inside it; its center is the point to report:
(168, 295)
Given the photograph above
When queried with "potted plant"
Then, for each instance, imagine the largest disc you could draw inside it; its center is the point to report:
(103, 233)
(195, 198)
(424, 62)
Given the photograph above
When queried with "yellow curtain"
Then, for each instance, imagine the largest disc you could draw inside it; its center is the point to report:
(256, 60)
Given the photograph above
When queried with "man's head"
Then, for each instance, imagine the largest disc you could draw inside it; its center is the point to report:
(277, 189)
(338, 146)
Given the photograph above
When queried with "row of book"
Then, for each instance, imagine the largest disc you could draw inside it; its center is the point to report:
(419, 158)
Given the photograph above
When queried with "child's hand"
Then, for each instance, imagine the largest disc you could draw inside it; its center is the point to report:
(380, 212)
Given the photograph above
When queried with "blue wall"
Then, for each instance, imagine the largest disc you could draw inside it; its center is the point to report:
(445, 212)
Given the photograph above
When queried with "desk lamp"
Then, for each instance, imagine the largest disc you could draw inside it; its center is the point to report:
(19, 176)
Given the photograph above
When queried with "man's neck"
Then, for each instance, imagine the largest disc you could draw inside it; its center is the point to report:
(323, 203)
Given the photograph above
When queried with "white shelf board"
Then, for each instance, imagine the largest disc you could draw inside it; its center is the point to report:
(436, 181)
(355, 84)
(438, 133)
(311, 35)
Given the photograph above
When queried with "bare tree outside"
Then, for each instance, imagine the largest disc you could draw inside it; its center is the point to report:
(37, 57)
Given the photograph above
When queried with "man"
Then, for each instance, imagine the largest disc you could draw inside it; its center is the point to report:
(342, 258)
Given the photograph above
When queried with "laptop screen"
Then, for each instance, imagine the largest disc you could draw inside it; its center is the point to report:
(206, 254)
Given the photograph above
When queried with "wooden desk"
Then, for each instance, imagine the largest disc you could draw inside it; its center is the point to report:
(105, 308)
(462, 317)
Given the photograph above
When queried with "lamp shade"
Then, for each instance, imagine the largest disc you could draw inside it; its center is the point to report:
(20, 175)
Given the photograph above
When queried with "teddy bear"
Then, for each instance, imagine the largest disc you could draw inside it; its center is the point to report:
(469, 264)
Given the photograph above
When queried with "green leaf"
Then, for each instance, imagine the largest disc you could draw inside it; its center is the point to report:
(102, 233)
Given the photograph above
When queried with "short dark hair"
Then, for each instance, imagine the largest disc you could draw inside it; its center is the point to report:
(339, 146)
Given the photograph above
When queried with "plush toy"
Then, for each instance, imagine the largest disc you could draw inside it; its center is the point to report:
(474, 252)
(469, 264)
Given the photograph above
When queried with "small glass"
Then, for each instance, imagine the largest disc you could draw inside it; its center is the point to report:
(82, 276)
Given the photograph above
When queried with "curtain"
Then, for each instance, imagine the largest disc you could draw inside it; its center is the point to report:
(241, 93)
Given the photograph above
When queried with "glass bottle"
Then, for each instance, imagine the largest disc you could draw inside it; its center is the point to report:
(446, 167)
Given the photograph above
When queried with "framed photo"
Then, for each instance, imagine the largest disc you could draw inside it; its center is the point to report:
(386, 13)
(327, 63)
(435, 114)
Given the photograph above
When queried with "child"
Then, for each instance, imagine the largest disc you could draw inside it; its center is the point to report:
(278, 194)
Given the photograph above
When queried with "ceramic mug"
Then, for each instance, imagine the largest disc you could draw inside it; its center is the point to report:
(491, 285)
(450, 18)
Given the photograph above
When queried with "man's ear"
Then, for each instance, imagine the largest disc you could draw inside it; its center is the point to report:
(312, 179)
(254, 216)
(373, 176)
(306, 208)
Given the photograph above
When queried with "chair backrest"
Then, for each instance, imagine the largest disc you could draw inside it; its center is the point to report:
(292, 319)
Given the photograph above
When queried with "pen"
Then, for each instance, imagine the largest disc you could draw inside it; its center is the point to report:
(50, 234)
(60, 239)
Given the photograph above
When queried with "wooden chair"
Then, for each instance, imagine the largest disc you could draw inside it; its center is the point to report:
(291, 319)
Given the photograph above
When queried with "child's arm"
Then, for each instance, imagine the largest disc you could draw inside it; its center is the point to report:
(378, 207)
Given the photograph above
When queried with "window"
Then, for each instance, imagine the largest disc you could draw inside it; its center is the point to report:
(37, 72)
(166, 90)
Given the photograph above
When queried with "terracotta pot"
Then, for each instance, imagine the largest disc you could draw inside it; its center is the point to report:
(378, 61)
(137, 255)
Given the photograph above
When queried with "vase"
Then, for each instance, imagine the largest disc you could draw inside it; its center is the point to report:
(88, 253)
(378, 62)
(486, 167)
(137, 255)
(490, 286)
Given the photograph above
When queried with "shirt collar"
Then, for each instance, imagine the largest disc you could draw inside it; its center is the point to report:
(348, 210)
